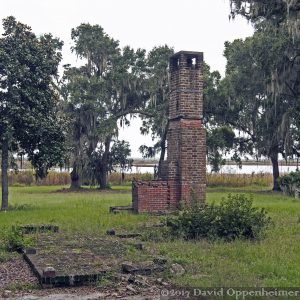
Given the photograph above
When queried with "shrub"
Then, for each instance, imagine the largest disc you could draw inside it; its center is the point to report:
(14, 240)
(290, 183)
(234, 218)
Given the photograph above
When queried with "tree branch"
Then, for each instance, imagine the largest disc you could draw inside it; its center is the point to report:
(132, 111)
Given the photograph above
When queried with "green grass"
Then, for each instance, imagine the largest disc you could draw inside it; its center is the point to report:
(80, 211)
(272, 262)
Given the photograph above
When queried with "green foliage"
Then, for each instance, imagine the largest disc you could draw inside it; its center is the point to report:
(29, 121)
(275, 55)
(266, 117)
(155, 119)
(276, 12)
(14, 240)
(234, 218)
(219, 141)
(4, 255)
(98, 95)
(119, 156)
(289, 183)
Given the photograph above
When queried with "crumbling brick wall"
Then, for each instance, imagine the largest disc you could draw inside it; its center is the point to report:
(150, 196)
(185, 168)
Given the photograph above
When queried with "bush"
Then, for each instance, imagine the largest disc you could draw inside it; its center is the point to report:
(234, 218)
(290, 183)
(14, 240)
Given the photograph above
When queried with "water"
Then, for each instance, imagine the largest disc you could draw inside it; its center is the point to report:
(249, 169)
(231, 169)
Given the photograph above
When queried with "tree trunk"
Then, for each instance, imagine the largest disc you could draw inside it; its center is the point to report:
(102, 179)
(103, 170)
(161, 158)
(162, 151)
(274, 160)
(75, 179)
(4, 169)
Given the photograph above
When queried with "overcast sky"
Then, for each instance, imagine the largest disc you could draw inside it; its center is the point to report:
(196, 25)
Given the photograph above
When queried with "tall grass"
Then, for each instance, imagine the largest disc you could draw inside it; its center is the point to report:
(116, 178)
(239, 180)
(27, 178)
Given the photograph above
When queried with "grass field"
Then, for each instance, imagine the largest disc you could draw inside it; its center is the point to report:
(272, 262)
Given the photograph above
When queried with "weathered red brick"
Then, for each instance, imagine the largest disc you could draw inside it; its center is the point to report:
(184, 172)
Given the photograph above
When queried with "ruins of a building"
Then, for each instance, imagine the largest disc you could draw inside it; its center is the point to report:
(184, 170)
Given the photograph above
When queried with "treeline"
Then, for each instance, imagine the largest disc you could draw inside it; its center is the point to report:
(74, 120)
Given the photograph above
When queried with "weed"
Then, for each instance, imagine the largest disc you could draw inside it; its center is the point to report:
(105, 279)
(19, 286)
(4, 255)
(14, 240)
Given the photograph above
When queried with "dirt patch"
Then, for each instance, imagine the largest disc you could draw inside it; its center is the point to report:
(120, 291)
(78, 255)
(18, 282)
(15, 274)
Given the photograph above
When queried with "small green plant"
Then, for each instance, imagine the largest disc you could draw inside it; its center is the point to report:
(4, 255)
(234, 218)
(105, 280)
(14, 240)
(290, 183)
(157, 235)
(20, 286)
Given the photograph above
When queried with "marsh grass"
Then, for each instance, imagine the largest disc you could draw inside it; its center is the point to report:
(239, 180)
(27, 178)
(272, 262)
